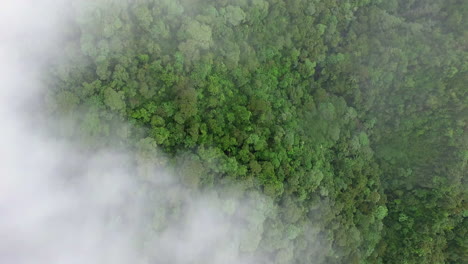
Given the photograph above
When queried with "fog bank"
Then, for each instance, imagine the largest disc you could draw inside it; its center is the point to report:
(60, 204)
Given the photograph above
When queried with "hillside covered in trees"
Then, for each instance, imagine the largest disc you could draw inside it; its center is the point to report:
(351, 115)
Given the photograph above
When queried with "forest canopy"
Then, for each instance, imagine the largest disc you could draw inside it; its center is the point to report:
(349, 114)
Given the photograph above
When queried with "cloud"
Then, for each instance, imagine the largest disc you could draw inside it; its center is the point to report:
(59, 203)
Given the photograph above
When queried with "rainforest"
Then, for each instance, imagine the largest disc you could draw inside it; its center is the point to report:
(346, 118)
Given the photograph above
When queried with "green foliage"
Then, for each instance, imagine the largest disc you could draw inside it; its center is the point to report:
(113, 99)
(234, 15)
(350, 115)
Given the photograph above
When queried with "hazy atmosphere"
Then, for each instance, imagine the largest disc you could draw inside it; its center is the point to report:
(61, 204)
(233, 132)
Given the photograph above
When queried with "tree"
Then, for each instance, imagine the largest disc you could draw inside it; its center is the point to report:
(113, 99)
(234, 15)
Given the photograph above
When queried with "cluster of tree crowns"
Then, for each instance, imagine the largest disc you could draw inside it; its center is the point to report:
(349, 114)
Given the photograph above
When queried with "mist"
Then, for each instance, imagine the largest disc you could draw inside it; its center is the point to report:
(250, 131)
(62, 204)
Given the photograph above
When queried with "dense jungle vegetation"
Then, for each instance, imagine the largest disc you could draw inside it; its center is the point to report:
(351, 115)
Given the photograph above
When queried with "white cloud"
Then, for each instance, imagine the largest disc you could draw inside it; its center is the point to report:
(61, 205)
